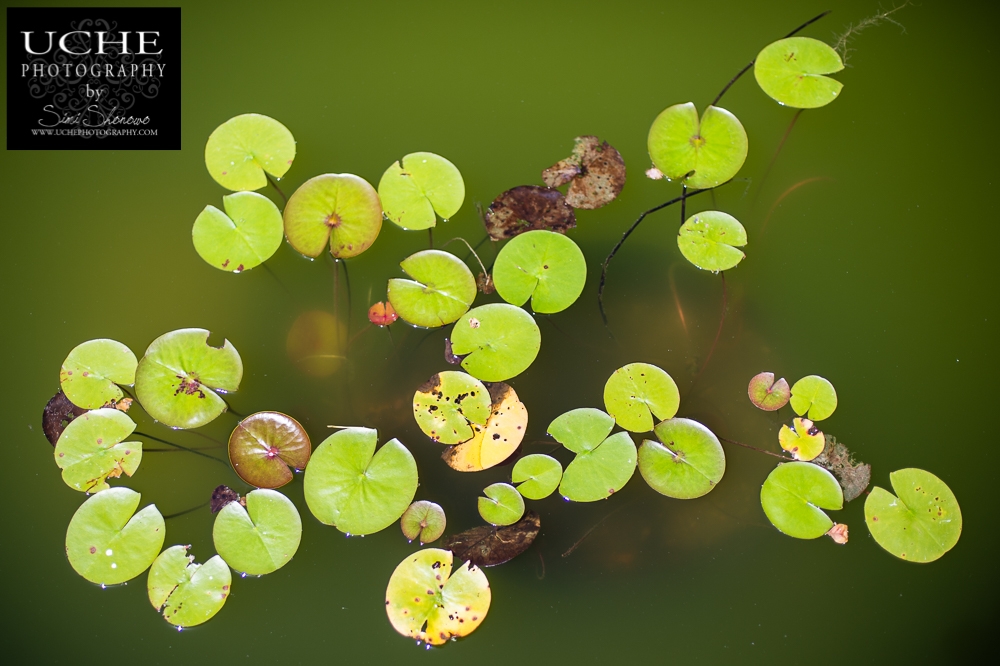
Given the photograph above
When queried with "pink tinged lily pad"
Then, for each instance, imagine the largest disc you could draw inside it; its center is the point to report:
(265, 447)
(339, 210)
(767, 394)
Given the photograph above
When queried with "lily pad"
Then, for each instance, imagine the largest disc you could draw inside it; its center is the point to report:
(537, 476)
(336, 209)
(794, 496)
(265, 445)
(382, 314)
(177, 379)
(498, 341)
(448, 404)
(494, 442)
(546, 267)
(714, 147)
(58, 413)
(426, 601)
(91, 373)
(260, 538)
(687, 462)
(187, 594)
(603, 465)
(350, 486)
(792, 71)
(803, 440)
(767, 394)
(243, 237)
(921, 522)
(91, 449)
(423, 520)
(637, 392)
(503, 505)
(710, 239)
(595, 171)
(241, 149)
(488, 545)
(528, 207)
(317, 343)
(416, 187)
(814, 395)
(441, 291)
(107, 544)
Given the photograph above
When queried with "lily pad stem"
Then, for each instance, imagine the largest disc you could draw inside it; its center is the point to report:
(274, 184)
(718, 333)
(754, 448)
(182, 448)
(185, 511)
(478, 260)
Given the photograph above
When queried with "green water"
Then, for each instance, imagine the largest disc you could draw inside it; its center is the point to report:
(877, 274)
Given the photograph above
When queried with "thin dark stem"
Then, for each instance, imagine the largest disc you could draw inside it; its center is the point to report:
(336, 296)
(229, 408)
(718, 333)
(430, 237)
(684, 195)
(182, 448)
(596, 525)
(185, 511)
(459, 238)
(277, 279)
(217, 443)
(774, 157)
(274, 184)
(754, 448)
(146, 449)
(347, 287)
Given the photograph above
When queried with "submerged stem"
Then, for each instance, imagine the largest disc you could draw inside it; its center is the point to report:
(274, 184)
(185, 511)
(182, 448)
(478, 260)
(754, 448)
(718, 333)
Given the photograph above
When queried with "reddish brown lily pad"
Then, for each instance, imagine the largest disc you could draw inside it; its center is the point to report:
(768, 394)
(528, 207)
(423, 520)
(595, 171)
(488, 546)
(265, 445)
(382, 314)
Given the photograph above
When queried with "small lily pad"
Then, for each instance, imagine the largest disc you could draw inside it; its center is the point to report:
(107, 544)
(714, 147)
(416, 187)
(710, 239)
(260, 538)
(423, 520)
(921, 522)
(814, 395)
(488, 545)
(637, 392)
(803, 440)
(603, 465)
(595, 171)
(382, 314)
(528, 207)
(241, 149)
(794, 496)
(448, 404)
(317, 343)
(503, 505)
(187, 594)
(336, 209)
(91, 449)
(441, 291)
(265, 445)
(546, 267)
(498, 341)
(537, 476)
(494, 442)
(687, 462)
(767, 394)
(93, 370)
(243, 237)
(792, 71)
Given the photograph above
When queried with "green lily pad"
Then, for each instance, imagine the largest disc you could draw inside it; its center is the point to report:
(260, 538)
(188, 594)
(545, 266)
(91, 373)
(537, 476)
(803, 440)
(91, 449)
(241, 149)
(426, 601)
(714, 147)
(603, 465)
(814, 395)
(441, 291)
(498, 341)
(448, 404)
(339, 209)
(794, 496)
(767, 394)
(416, 187)
(581, 430)
(350, 486)
(503, 505)
(265, 445)
(107, 544)
(177, 379)
(921, 522)
(710, 239)
(792, 72)
(423, 520)
(688, 463)
(637, 392)
(243, 237)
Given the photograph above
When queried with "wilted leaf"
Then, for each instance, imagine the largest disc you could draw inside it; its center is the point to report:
(595, 170)
(854, 477)
(767, 394)
(58, 413)
(838, 533)
(423, 520)
(803, 440)
(223, 495)
(488, 546)
(495, 441)
(382, 314)
(528, 207)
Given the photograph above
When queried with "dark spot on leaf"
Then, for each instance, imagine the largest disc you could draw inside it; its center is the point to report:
(528, 207)
(487, 546)
(93, 550)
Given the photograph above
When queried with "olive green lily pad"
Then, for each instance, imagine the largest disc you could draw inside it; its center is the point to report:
(350, 486)
(107, 544)
(710, 239)
(498, 341)
(815, 396)
(441, 291)
(423, 520)
(91, 373)
(447, 404)
(241, 149)
(792, 71)
(91, 449)
(767, 394)
(637, 392)
(260, 538)
(336, 209)
(426, 601)
(537, 476)
(177, 379)
(503, 505)
(687, 462)
(713, 147)
(243, 237)
(188, 594)
(416, 187)
(603, 465)
(265, 445)
(545, 266)
(794, 496)
(803, 439)
(921, 522)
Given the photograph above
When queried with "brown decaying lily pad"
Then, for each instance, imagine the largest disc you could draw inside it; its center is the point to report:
(58, 413)
(595, 171)
(488, 546)
(854, 477)
(496, 440)
(265, 445)
(526, 208)
(223, 495)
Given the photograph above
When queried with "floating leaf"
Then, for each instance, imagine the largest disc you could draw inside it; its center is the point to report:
(427, 602)
(791, 71)
(416, 187)
(546, 267)
(581, 430)
(107, 544)
(498, 341)
(265, 445)
(223, 495)
(91, 449)
(688, 463)
(767, 394)
(448, 404)
(838, 533)
(382, 314)
(503, 505)
(488, 545)
(316, 343)
(241, 149)
(441, 291)
(637, 392)
(350, 486)
(58, 413)
(854, 477)
(91, 373)
(188, 594)
(794, 495)
(339, 209)
(815, 395)
(921, 522)
(714, 147)
(243, 237)
(423, 520)
(260, 538)
(528, 207)
(176, 378)
(538, 475)
(709, 240)
(803, 440)
(603, 465)
(595, 170)
(495, 441)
